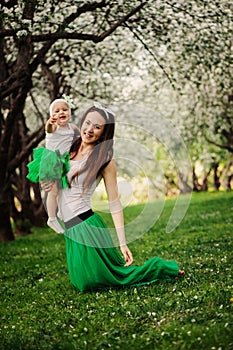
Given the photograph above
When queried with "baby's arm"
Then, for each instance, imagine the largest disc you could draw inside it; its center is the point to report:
(51, 124)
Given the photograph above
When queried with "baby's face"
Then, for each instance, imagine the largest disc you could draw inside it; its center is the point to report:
(61, 111)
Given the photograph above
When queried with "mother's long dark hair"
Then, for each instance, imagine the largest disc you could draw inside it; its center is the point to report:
(102, 152)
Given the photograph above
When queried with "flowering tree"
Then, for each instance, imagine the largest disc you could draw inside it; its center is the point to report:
(195, 52)
(191, 43)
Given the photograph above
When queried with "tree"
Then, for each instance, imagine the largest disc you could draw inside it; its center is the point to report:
(191, 43)
(195, 53)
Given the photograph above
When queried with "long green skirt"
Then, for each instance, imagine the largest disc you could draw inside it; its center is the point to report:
(94, 263)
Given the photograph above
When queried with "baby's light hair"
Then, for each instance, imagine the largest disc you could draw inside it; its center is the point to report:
(56, 101)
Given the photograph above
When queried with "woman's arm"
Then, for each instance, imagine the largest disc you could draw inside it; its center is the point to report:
(110, 180)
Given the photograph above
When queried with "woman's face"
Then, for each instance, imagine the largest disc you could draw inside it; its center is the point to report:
(92, 127)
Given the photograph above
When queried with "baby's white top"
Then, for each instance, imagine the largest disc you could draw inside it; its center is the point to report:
(72, 201)
(59, 139)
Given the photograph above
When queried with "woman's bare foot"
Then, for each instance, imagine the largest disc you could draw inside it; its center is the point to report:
(181, 273)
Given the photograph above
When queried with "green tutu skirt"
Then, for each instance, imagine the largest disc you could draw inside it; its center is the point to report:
(49, 166)
(94, 263)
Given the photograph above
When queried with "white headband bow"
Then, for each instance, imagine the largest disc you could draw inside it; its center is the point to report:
(106, 110)
(68, 100)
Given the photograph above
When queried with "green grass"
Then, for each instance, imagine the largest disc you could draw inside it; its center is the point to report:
(41, 310)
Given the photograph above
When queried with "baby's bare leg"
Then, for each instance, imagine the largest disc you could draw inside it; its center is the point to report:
(52, 209)
(52, 201)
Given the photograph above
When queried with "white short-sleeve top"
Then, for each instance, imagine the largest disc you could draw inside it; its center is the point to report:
(73, 201)
(59, 139)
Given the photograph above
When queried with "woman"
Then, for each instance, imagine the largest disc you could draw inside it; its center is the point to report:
(93, 261)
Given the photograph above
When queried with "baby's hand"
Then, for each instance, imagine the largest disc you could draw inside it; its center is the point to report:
(53, 119)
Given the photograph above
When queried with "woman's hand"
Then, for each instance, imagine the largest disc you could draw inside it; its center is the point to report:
(46, 186)
(127, 255)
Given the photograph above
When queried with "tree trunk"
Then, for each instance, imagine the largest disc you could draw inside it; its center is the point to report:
(196, 185)
(29, 211)
(40, 214)
(184, 186)
(227, 175)
(229, 180)
(216, 177)
(6, 232)
(204, 186)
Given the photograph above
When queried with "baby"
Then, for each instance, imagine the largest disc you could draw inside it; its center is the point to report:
(60, 134)
(51, 163)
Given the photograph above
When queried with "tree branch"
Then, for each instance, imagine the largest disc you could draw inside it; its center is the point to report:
(192, 15)
(62, 35)
(12, 83)
(37, 109)
(7, 32)
(10, 3)
(29, 9)
(41, 55)
(121, 21)
(229, 148)
(82, 9)
(151, 53)
(66, 22)
(85, 36)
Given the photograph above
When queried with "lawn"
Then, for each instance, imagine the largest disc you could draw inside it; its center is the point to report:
(41, 310)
